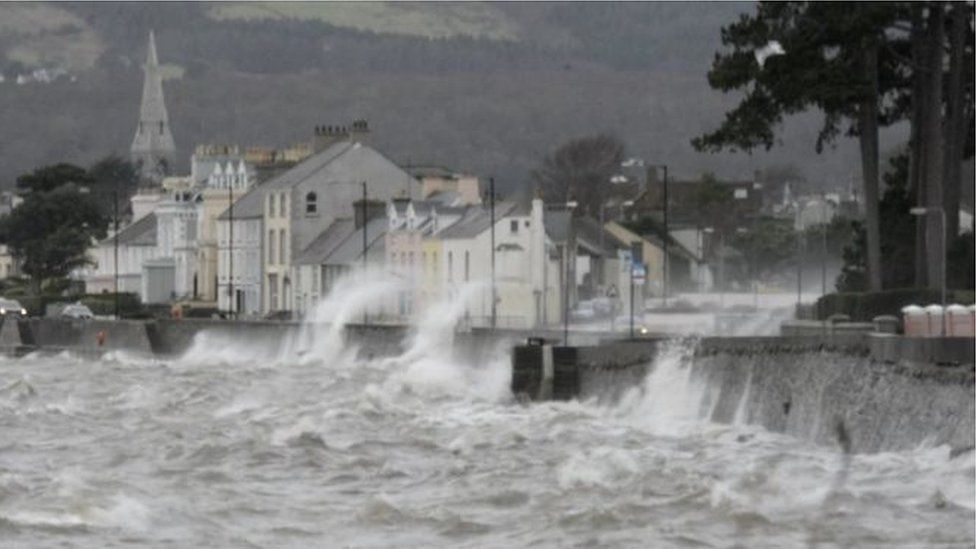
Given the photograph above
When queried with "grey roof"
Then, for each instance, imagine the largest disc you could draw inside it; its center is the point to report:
(250, 206)
(557, 224)
(588, 234)
(477, 220)
(311, 165)
(324, 244)
(140, 233)
(444, 197)
(350, 249)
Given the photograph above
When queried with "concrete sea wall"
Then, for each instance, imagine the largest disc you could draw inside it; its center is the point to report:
(802, 386)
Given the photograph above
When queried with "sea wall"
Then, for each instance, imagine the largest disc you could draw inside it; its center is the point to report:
(805, 387)
(882, 406)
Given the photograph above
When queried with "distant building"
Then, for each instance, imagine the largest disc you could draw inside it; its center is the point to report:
(153, 150)
(450, 187)
(302, 203)
(683, 199)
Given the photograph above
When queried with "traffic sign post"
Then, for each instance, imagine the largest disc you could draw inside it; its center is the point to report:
(638, 275)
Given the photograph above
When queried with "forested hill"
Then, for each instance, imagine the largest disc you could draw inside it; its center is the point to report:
(489, 88)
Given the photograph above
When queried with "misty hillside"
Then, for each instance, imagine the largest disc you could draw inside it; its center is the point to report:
(489, 88)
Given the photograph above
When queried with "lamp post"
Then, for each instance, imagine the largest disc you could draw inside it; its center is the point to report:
(721, 263)
(666, 276)
(923, 211)
(570, 206)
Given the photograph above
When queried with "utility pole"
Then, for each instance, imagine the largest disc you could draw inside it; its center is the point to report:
(115, 206)
(365, 247)
(494, 295)
(231, 307)
(667, 236)
(569, 254)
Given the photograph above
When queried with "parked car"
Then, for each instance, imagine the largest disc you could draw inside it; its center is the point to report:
(77, 310)
(12, 307)
(583, 311)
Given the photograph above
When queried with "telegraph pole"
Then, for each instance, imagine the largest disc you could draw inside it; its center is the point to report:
(667, 236)
(115, 201)
(232, 305)
(365, 247)
(494, 296)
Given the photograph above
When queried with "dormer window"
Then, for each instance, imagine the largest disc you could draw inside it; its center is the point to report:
(311, 203)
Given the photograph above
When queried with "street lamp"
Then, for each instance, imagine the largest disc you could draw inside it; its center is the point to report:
(920, 212)
(667, 236)
(570, 206)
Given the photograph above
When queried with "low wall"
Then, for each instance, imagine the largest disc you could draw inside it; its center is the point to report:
(85, 335)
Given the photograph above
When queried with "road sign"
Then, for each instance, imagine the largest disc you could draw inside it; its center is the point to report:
(639, 274)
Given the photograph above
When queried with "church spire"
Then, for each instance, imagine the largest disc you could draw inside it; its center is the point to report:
(152, 148)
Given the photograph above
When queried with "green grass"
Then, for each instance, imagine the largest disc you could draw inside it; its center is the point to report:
(432, 20)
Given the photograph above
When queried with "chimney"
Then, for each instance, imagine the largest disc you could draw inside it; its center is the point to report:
(359, 131)
(326, 136)
(374, 209)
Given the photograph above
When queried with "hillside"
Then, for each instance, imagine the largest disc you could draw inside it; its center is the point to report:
(484, 87)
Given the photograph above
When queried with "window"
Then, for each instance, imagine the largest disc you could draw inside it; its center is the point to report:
(283, 203)
(467, 266)
(514, 226)
(282, 236)
(450, 266)
(273, 291)
(271, 247)
(271, 205)
(311, 203)
(160, 127)
(526, 223)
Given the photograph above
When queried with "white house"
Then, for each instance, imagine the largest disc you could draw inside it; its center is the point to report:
(136, 245)
(527, 274)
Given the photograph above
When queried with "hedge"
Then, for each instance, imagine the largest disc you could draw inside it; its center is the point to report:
(104, 304)
(864, 306)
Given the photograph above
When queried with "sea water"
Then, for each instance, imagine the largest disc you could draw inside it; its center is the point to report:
(233, 445)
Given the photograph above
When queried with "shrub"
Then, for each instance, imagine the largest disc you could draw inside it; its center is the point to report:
(104, 304)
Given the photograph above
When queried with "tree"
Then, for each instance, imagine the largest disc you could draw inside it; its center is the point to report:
(767, 244)
(48, 178)
(715, 203)
(897, 246)
(51, 231)
(834, 61)
(581, 170)
(113, 177)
